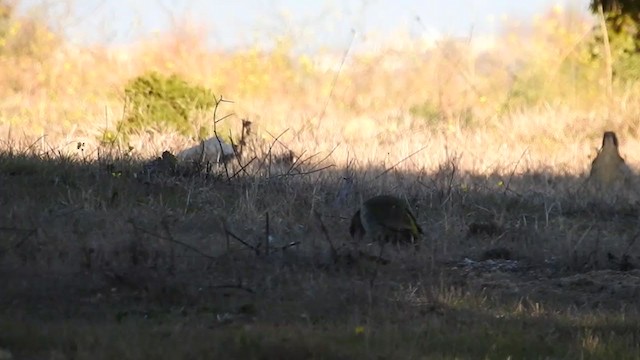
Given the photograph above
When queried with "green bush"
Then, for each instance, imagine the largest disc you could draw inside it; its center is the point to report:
(160, 103)
(622, 19)
(434, 116)
(427, 111)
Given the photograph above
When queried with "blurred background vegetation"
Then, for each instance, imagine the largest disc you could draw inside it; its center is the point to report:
(545, 79)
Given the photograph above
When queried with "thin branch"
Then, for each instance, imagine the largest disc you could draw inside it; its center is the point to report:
(238, 239)
(303, 173)
(289, 245)
(230, 286)
(29, 233)
(267, 235)
(172, 252)
(185, 245)
(325, 232)
(506, 187)
(276, 139)
(326, 157)
(401, 161)
(335, 78)
(243, 167)
(222, 154)
(224, 117)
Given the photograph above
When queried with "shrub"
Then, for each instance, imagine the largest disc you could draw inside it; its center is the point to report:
(159, 103)
(623, 28)
(427, 111)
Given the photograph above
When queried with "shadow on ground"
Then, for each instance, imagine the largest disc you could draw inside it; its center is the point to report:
(117, 259)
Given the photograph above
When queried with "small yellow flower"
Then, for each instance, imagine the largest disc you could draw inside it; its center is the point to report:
(501, 183)
(359, 330)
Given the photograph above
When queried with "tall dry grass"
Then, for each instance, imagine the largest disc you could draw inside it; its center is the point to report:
(533, 95)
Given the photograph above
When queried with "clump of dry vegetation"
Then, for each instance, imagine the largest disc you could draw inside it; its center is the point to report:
(112, 248)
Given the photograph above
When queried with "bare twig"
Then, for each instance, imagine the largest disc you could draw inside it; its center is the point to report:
(226, 116)
(183, 244)
(172, 241)
(452, 175)
(27, 234)
(267, 234)
(289, 245)
(325, 232)
(275, 139)
(303, 173)
(246, 131)
(221, 155)
(238, 239)
(243, 167)
(506, 186)
(299, 161)
(401, 161)
(335, 78)
(226, 235)
(326, 157)
(231, 286)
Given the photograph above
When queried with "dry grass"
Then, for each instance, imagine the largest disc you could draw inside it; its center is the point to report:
(98, 263)
(520, 259)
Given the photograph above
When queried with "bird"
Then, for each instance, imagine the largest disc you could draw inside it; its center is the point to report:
(609, 169)
(385, 218)
(169, 161)
(166, 165)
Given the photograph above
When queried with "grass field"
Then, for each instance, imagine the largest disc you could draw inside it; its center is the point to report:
(253, 259)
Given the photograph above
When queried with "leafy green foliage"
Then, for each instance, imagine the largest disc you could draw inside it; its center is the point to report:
(622, 18)
(158, 102)
(627, 7)
(434, 115)
(427, 111)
